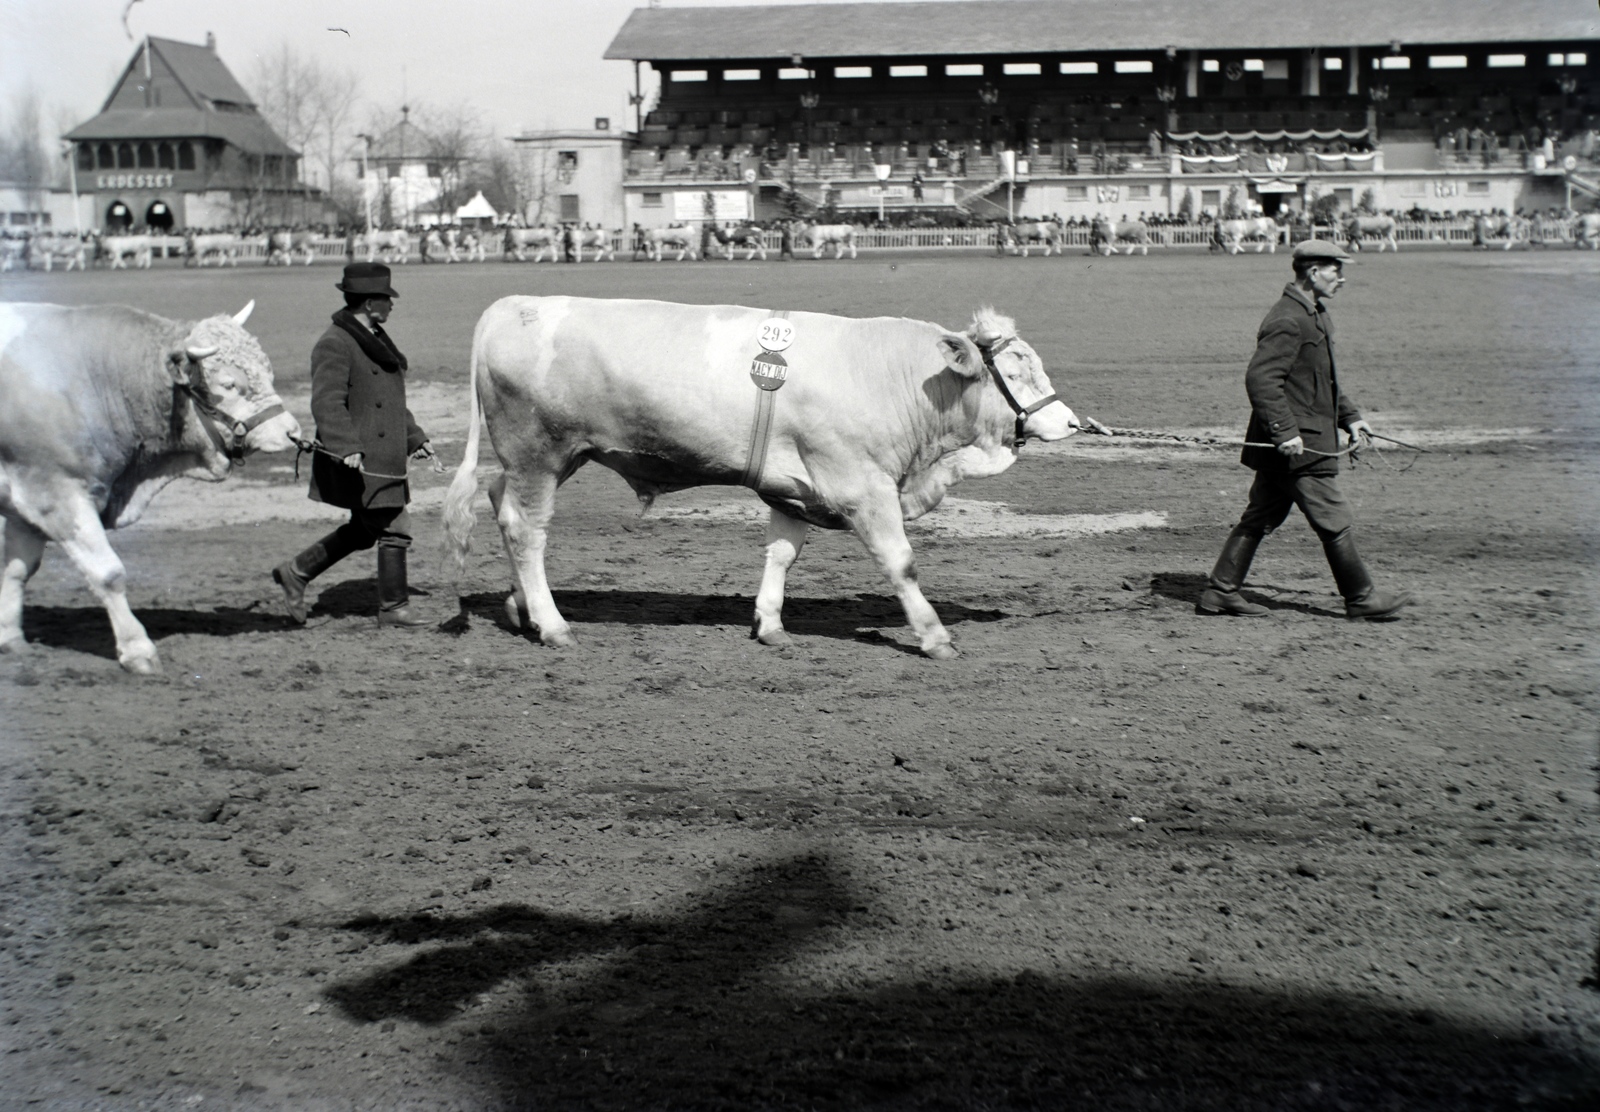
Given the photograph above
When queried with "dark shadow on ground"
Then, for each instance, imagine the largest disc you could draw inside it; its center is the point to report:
(1184, 586)
(86, 629)
(693, 1010)
(844, 618)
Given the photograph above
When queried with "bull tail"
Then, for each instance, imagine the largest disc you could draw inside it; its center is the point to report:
(458, 516)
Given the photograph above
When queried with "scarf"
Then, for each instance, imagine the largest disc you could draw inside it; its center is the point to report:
(375, 344)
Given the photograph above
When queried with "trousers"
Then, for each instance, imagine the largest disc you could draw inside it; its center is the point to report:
(1275, 493)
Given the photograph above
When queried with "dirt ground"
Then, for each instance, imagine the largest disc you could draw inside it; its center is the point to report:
(1115, 856)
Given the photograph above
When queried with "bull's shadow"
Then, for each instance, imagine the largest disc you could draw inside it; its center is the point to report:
(848, 618)
(87, 629)
(698, 1009)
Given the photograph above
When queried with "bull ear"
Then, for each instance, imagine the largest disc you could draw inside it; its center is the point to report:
(961, 355)
(244, 314)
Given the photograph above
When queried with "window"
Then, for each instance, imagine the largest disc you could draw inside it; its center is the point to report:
(1211, 198)
(1507, 61)
(791, 73)
(852, 71)
(85, 157)
(1413, 189)
(1211, 65)
(1477, 189)
(1135, 66)
(394, 169)
(1347, 199)
(433, 170)
(1331, 63)
(124, 156)
(651, 200)
(1275, 69)
(1253, 65)
(147, 157)
(1392, 62)
(1447, 61)
(908, 71)
(164, 156)
(1569, 59)
(1021, 69)
(1080, 67)
(1077, 192)
(687, 75)
(1138, 192)
(108, 160)
(569, 206)
(185, 156)
(964, 69)
(741, 75)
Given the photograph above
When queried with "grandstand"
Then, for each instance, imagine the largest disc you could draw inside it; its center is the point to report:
(1116, 106)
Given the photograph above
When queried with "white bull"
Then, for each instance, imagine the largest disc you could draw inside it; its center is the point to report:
(686, 240)
(200, 247)
(1586, 231)
(48, 248)
(1264, 231)
(101, 407)
(581, 239)
(285, 246)
(1105, 236)
(391, 244)
(119, 249)
(1381, 228)
(517, 241)
(877, 419)
(1020, 237)
(838, 236)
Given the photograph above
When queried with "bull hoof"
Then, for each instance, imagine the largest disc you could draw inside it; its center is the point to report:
(143, 665)
(516, 615)
(558, 638)
(945, 651)
(778, 638)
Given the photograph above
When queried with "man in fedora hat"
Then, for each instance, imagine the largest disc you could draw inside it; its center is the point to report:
(364, 435)
(1297, 407)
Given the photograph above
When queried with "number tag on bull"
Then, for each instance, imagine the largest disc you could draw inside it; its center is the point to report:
(776, 334)
(769, 370)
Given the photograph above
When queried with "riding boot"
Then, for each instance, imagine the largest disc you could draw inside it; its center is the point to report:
(394, 608)
(1361, 598)
(1222, 595)
(294, 575)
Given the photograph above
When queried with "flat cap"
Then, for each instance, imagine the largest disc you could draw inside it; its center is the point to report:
(1321, 249)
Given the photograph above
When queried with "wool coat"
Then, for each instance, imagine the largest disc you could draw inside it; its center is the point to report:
(1294, 388)
(358, 400)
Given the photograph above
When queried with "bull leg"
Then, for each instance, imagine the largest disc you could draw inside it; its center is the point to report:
(24, 548)
(524, 524)
(786, 536)
(84, 541)
(880, 524)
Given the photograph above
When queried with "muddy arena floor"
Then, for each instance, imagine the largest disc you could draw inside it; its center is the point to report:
(1115, 856)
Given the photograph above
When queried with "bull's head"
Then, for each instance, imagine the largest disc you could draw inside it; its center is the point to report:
(992, 347)
(224, 367)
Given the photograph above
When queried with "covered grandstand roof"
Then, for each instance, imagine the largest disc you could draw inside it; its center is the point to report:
(955, 27)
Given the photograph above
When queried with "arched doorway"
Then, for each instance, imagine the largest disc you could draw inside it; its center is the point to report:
(119, 217)
(158, 217)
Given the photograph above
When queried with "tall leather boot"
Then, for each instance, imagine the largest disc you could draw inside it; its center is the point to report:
(1361, 598)
(394, 608)
(294, 575)
(1222, 596)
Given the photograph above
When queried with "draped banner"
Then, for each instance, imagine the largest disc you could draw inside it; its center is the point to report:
(1269, 136)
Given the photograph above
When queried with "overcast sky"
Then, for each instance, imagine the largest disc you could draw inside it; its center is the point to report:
(521, 63)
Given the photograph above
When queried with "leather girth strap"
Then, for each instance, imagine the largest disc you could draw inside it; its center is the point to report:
(760, 431)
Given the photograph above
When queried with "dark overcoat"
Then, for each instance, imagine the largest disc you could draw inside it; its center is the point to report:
(1294, 389)
(359, 404)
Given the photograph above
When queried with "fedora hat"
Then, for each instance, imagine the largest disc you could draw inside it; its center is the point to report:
(371, 279)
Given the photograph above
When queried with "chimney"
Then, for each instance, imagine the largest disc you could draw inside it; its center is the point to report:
(211, 42)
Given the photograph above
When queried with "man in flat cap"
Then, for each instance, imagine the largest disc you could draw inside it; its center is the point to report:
(1297, 407)
(364, 435)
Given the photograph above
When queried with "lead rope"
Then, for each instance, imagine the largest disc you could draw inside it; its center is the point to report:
(1090, 425)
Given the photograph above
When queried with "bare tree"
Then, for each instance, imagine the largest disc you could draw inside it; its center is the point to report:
(311, 107)
(455, 137)
(23, 160)
(334, 103)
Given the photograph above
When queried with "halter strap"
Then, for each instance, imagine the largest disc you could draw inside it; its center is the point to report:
(989, 351)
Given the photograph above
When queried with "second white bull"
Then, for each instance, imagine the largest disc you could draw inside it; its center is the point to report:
(875, 420)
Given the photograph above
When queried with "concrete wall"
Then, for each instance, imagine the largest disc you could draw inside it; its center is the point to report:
(573, 175)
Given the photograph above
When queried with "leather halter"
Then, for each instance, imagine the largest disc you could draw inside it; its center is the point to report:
(227, 434)
(989, 351)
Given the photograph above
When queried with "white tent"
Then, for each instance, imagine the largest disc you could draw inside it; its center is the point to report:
(478, 208)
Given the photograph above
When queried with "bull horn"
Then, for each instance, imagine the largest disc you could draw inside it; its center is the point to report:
(244, 314)
(196, 354)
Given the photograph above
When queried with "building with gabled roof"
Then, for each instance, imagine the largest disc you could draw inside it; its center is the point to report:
(180, 143)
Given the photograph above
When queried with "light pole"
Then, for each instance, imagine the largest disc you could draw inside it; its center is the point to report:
(990, 97)
(883, 170)
(1008, 166)
(72, 174)
(809, 101)
(366, 183)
